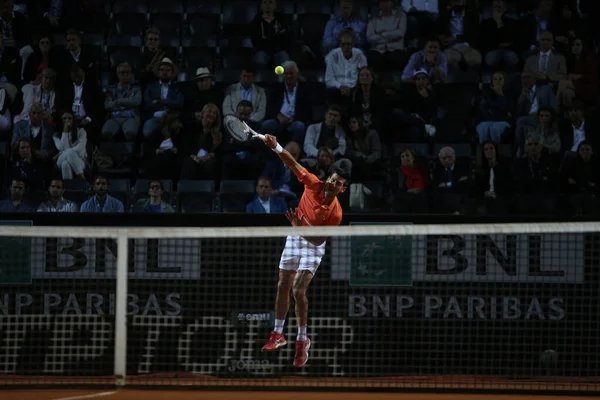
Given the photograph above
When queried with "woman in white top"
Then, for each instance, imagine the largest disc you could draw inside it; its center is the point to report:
(71, 145)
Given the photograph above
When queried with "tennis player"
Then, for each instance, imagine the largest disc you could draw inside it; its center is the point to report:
(302, 255)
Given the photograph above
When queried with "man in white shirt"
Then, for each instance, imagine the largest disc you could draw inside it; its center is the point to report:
(56, 202)
(577, 129)
(342, 65)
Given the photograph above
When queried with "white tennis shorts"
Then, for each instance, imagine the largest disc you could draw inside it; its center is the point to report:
(298, 254)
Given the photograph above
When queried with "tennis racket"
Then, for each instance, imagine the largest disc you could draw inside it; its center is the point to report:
(240, 130)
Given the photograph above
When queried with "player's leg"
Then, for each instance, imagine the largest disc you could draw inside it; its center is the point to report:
(309, 262)
(287, 271)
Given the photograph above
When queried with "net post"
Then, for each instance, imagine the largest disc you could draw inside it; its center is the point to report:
(121, 311)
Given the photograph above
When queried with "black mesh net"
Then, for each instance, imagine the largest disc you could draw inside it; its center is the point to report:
(508, 311)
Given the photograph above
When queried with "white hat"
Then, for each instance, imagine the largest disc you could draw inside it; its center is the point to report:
(420, 71)
(203, 72)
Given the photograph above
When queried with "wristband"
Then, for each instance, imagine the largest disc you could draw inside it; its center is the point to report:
(278, 149)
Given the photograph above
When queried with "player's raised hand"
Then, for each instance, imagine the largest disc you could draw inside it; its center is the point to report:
(292, 216)
(270, 141)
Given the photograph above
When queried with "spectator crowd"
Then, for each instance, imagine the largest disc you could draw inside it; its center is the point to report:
(434, 106)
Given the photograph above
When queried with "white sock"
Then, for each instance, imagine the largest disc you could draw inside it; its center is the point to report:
(279, 325)
(301, 333)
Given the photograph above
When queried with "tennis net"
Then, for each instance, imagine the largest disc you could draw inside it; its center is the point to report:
(498, 307)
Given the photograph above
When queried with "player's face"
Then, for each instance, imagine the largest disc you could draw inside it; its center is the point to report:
(334, 185)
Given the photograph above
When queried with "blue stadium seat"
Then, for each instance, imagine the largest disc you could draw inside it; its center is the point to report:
(203, 24)
(421, 149)
(130, 6)
(129, 24)
(287, 7)
(195, 57)
(123, 155)
(236, 52)
(161, 6)
(314, 7)
(203, 7)
(77, 190)
(124, 40)
(313, 27)
(235, 194)
(169, 25)
(120, 189)
(195, 196)
(237, 14)
(93, 39)
(119, 54)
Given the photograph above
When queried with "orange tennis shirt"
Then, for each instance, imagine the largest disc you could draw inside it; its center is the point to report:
(312, 209)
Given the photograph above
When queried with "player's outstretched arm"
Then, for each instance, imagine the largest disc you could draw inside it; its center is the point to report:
(286, 157)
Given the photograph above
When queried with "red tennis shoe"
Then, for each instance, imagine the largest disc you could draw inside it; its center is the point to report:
(276, 340)
(301, 356)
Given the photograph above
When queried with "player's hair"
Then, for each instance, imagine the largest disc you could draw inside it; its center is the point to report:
(342, 173)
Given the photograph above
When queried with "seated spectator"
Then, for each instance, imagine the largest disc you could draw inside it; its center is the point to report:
(166, 142)
(582, 79)
(291, 105)
(161, 96)
(458, 28)
(492, 179)
(154, 203)
(323, 163)
(407, 184)
(102, 202)
(74, 54)
(284, 181)
(71, 144)
(451, 182)
(581, 180)
(56, 202)
(328, 133)
(495, 110)
(343, 22)
(242, 160)
(43, 93)
(15, 28)
(10, 67)
(271, 34)
(364, 151)
(25, 166)
(418, 113)
(16, 202)
(342, 65)
(547, 130)
(203, 145)
(152, 56)
(577, 128)
(533, 24)
(535, 179)
(530, 100)
(5, 104)
(266, 202)
(547, 66)
(498, 38)
(369, 101)
(385, 34)
(198, 93)
(568, 24)
(38, 131)
(431, 60)
(84, 97)
(247, 90)
(122, 101)
(39, 61)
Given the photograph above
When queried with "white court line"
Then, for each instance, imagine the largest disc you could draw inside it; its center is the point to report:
(88, 396)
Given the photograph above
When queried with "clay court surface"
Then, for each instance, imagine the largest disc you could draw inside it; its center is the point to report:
(252, 395)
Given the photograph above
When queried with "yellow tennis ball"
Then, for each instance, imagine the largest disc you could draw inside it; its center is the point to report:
(279, 70)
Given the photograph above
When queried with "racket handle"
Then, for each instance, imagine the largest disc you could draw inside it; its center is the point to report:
(260, 136)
